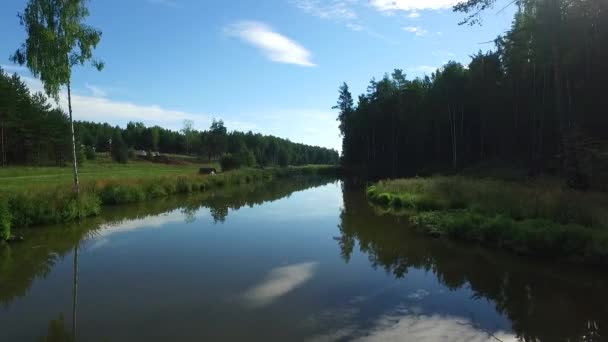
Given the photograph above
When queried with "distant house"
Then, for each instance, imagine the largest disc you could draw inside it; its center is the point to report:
(207, 171)
(141, 153)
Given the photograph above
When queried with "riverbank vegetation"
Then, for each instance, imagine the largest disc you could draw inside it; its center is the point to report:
(533, 104)
(524, 289)
(121, 165)
(536, 100)
(30, 205)
(541, 216)
(22, 263)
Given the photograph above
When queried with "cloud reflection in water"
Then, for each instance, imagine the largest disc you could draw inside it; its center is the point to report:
(435, 328)
(402, 323)
(279, 282)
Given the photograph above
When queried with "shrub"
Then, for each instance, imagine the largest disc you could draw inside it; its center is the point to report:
(155, 190)
(530, 236)
(534, 217)
(183, 185)
(90, 153)
(85, 205)
(120, 155)
(5, 221)
(51, 206)
(246, 158)
(229, 162)
(119, 150)
(121, 193)
(81, 156)
(540, 199)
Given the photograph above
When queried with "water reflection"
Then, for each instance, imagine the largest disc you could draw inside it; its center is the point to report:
(406, 321)
(430, 328)
(57, 331)
(279, 282)
(21, 263)
(543, 301)
(237, 265)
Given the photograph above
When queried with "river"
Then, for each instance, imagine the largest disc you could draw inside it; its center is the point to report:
(303, 260)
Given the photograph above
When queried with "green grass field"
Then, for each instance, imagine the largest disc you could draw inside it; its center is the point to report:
(31, 196)
(16, 178)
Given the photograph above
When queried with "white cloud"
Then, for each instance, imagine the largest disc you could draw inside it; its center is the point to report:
(279, 282)
(411, 5)
(95, 90)
(342, 12)
(417, 30)
(275, 46)
(93, 108)
(328, 9)
(100, 109)
(413, 15)
(317, 127)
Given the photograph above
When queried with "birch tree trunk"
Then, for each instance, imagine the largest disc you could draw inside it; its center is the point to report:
(74, 162)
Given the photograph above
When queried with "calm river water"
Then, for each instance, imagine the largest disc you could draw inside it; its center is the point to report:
(305, 260)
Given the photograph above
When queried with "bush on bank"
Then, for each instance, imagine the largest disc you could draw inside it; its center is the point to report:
(5, 220)
(32, 207)
(536, 217)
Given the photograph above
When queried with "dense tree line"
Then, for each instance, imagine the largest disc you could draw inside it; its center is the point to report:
(31, 131)
(249, 149)
(537, 99)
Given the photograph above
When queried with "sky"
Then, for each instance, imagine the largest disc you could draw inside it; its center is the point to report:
(269, 66)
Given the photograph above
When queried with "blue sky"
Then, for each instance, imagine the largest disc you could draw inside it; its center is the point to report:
(270, 66)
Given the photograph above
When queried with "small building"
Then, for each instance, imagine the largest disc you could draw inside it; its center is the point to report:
(141, 153)
(207, 171)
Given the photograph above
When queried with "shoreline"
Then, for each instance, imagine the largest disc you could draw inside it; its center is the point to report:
(529, 218)
(30, 208)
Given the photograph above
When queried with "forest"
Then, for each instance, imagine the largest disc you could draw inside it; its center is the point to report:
(537, 101)
(34, 132)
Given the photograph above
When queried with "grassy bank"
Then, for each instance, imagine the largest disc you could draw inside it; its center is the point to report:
(539, 217)
(30, 205)
(21, 178)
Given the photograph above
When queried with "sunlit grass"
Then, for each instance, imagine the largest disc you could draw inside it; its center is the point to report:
(533, 216)
(26, 204)
(21, 178)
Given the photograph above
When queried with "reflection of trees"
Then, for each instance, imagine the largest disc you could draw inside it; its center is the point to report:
(21, 263)
(544, 302)
(220, 202)
(75, 290)
(219, 213)
(57, 332)
(35, 257)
